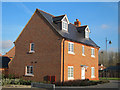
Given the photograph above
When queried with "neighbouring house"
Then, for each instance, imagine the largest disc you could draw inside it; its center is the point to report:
(51, 48)
(101, 67)
(4, 61)
(10, 54)
(112, 71)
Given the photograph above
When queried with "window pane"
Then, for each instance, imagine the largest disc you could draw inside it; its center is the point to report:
(82, 49)
(31, 71)
(27, 69)
(32, 46)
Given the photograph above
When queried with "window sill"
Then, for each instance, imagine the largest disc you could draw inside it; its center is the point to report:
(31, 51)
(71, 78)
(29, 75)
(71, 53)
(83, 54)
(93, 56)
(92, 76)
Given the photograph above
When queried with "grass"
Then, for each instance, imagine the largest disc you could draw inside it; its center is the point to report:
(104, 78)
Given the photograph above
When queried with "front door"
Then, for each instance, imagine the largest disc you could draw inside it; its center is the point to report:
(83, 73)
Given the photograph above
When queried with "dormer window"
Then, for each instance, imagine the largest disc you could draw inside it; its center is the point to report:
(87, 31)
(64, 25)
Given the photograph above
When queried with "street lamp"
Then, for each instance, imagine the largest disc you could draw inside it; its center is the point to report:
(110, 42)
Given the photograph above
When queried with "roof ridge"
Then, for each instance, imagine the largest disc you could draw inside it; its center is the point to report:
(60, 15)
(45, 12)
(82, 26)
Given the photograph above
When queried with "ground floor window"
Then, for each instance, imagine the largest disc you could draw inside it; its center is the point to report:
(70, 72)
(92, 72)
(29, 70)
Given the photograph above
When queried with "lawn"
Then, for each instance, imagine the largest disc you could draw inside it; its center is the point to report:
(104, 78)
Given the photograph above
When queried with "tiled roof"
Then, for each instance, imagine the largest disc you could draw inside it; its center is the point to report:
(10, 53)
(72, 33)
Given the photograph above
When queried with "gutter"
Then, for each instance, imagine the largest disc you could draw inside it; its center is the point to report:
(63, 59)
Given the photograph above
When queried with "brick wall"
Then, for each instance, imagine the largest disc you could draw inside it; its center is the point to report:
(77, 60)
(46, 59)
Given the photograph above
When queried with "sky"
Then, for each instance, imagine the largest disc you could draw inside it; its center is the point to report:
(101, 17)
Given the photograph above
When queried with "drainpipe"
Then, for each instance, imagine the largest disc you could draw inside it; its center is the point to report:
(63, 59)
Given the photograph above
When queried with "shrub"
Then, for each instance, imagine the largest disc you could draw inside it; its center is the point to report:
(79, 83)
(10, 76)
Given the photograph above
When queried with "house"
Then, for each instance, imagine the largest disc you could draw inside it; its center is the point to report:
(10, 54)
(51, 48)
(112, 71)
(4, 61)
(101, 67)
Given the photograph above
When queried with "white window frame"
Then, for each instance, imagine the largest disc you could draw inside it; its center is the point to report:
(92, 72)
(64, 26)
(32, 51)
(83, 50)
(71, 48)
(86, 33)
(70, 74)
(92, 52)
(28, 72)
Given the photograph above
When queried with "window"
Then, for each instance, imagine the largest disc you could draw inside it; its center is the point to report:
(92, 72)
(29, 70)
(87, 33)
(71, 48)
(70, 73)
(83, 51)
(64, 25)
(92, 52)
(31, 47)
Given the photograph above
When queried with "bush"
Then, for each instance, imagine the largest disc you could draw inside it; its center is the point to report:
(15, 82)
(85, 82)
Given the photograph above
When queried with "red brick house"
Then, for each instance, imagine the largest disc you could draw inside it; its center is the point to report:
(52, 46)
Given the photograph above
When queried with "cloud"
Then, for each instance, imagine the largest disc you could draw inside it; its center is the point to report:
(6, 44)
(26, 9)
(104, 26)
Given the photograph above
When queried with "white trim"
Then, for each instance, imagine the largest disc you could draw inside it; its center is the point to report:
(88, 28)
(28, 74)
(91, 52)
(66, 18)
(71, 78)
(83, 54)
(70, 52)
(32, 51)
(92, 76)
(65, 29)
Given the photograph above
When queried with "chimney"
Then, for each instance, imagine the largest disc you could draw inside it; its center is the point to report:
(77, 23)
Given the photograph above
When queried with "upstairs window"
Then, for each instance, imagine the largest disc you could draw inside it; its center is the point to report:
(71, 48)
(31, 47)
(83, 51)
(64, 26)
(29, 70)
(92, 52)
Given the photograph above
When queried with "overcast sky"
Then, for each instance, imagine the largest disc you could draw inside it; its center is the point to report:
(102, 19)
